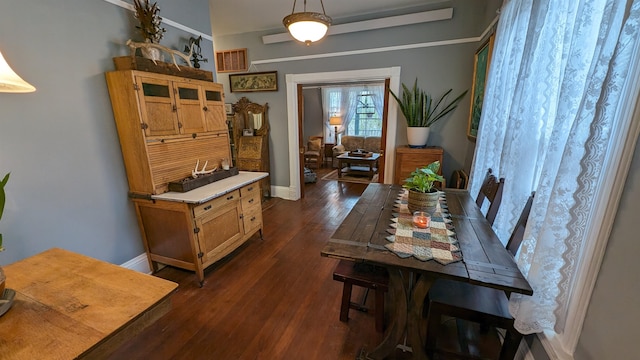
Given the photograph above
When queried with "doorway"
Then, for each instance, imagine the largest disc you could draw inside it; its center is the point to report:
(294, 85)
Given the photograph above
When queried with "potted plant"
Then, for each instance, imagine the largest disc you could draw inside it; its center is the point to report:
(420, 112)
(149, 27)
(423, 195)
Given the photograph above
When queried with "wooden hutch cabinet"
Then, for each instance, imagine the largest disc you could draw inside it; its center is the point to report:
(408, 159)
(252, 151)
(166, 124)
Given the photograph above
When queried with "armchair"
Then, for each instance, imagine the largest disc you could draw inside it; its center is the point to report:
(314, 152)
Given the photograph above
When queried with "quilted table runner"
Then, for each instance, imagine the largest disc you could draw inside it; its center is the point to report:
(437, 242)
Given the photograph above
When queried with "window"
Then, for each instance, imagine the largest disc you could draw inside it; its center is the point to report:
(366, 121)
(359, 106)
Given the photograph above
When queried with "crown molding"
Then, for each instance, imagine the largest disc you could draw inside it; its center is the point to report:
(392, 21)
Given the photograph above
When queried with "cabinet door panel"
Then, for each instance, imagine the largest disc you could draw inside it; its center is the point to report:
(214, 112)
(157, 107)
(190, 115)
(219, 230)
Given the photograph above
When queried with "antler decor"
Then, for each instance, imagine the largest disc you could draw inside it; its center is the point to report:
(195, 172)
(135, 45)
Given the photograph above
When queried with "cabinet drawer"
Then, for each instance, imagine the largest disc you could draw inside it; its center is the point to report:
(250, 190)
(251, 219)
(216, 203)
(251, 201)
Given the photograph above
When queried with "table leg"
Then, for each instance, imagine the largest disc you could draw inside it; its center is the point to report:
(339, 168)
(408, 303)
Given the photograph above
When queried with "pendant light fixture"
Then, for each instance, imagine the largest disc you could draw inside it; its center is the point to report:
(10, 82)
(307, 27)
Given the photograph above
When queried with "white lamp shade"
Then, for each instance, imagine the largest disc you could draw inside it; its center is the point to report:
(308, 31)
(335, 120)
(10, 81)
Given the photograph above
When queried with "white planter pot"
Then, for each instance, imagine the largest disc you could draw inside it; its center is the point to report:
(418, 136)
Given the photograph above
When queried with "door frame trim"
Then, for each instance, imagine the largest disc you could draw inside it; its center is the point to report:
(293, 80)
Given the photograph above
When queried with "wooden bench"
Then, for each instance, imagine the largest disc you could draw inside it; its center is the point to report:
(368, 277)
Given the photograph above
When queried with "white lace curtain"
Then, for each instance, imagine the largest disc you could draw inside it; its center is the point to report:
(555, 82)
(342, 101)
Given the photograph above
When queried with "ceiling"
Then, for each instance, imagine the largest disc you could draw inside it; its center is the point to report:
(241, 16)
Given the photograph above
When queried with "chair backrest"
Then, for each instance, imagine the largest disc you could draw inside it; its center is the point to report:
(518, 232)
(459, 179)
(315, 143)
(492, 191)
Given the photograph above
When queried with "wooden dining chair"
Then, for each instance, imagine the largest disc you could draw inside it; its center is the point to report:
(367, 276)
(491, 191)
(479, 304)
(459, 179)
(314, 153)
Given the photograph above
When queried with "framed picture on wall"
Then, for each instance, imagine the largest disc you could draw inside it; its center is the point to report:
(256, 81)
(481, 62)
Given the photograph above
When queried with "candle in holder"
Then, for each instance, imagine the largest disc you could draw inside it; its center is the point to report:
(421, 219)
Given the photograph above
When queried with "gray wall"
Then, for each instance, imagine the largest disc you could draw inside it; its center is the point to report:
(437, 69)
(68, 187)
(312, 125)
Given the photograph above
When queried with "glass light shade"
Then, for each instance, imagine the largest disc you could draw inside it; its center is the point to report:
(10, 81)
(307, 27)
(335, 120)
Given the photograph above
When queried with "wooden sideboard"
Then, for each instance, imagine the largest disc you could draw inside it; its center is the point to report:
(70, 306)
(408, 159)
(192, 230)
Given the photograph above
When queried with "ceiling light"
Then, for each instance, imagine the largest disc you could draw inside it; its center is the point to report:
(307, 27)
(10, 81)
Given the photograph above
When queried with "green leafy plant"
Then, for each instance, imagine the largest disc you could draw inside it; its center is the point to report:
(418, 107)
(149, 19)
(423, 178)
(2, 201)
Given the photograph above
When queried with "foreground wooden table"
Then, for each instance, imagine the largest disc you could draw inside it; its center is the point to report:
(70, 306)
(362, 235)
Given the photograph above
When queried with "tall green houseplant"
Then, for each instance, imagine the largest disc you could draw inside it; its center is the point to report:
(421, 110)
(2, 201)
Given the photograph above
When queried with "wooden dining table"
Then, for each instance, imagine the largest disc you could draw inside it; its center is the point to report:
(71, 306)
(362, 237)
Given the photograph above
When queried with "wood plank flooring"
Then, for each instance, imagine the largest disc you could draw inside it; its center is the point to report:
(273, 298)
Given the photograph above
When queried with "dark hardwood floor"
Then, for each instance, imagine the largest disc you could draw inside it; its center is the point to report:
(273, 298)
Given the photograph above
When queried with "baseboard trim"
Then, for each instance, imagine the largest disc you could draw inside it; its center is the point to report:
(283, 192)
(138, 263)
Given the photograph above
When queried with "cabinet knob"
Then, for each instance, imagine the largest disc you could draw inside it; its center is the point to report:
(250, 201)
(207, 207)
(230, 197)
(174, 108)
(179, 125)
(205, 108)
(194, 135)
